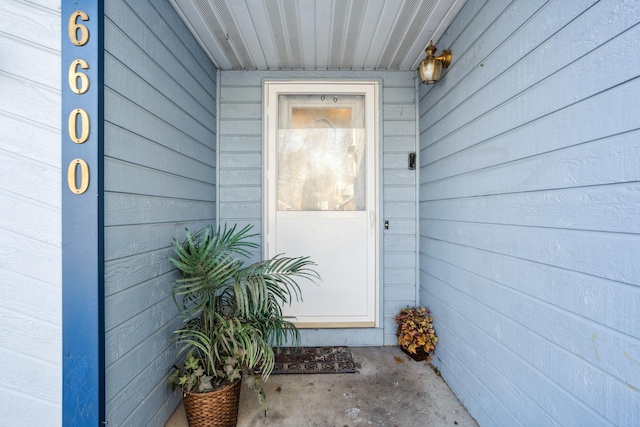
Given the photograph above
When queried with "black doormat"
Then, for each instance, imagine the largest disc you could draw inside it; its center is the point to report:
(314, 360)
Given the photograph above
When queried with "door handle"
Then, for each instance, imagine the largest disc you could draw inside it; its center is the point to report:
(372, 221)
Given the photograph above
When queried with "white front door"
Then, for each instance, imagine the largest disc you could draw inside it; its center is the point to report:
(321, 195)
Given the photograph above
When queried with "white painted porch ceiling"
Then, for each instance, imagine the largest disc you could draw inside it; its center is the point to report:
(317, 34)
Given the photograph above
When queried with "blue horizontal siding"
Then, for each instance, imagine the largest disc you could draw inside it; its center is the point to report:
(529, 176)
(160, 178)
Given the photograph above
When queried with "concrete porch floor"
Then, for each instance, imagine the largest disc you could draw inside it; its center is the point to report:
(384, 392)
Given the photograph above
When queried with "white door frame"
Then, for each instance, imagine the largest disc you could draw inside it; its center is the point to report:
(271, 90)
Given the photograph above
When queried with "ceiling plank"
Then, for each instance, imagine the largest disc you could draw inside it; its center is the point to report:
(324, 27)
(265, 42)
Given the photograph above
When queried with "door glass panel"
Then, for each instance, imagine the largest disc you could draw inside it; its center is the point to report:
(320, 154)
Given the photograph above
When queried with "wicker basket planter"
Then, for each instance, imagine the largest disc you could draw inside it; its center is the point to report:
(218, 408)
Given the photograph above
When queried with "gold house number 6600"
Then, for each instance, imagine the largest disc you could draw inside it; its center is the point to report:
(79, 83)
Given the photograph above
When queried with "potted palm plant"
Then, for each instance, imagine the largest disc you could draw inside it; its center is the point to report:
(232, 318)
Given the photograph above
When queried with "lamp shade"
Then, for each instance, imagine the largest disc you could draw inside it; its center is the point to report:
(430, 70)
(431, 66)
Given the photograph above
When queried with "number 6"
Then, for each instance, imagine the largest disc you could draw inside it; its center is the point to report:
(74, 75)
(73, 27)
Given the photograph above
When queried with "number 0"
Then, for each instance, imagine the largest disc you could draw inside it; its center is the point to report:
(85, 126)
(84, 176)
(73, 27)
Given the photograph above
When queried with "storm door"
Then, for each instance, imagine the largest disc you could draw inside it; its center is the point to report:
(321, 195)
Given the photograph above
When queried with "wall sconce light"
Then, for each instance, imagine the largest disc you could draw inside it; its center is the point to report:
(431, 66)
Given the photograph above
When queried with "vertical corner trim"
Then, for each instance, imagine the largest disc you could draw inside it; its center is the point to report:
(83, 378)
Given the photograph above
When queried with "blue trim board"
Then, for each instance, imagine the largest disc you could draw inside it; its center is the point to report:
(82, 216)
